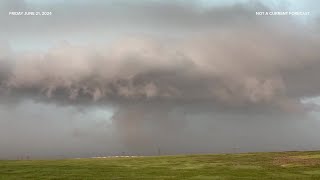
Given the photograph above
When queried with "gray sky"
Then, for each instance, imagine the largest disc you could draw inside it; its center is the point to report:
(98, 78)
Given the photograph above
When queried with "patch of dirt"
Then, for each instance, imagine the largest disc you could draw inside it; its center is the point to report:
(295, 161)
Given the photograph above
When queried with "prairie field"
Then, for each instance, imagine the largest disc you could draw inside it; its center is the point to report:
(270, 165)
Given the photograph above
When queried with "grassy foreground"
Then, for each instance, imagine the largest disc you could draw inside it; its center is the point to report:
(284, 165)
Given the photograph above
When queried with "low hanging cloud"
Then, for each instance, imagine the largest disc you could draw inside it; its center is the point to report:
(226, 74)
(234, 68)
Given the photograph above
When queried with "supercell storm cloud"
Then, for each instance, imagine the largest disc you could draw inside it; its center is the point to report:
(177, 72)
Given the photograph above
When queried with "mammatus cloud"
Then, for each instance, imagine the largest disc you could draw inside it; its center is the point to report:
(240, 78)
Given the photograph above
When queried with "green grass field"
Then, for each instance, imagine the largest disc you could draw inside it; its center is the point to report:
(284, 165)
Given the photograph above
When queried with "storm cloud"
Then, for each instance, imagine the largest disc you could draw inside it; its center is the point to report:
(230, 70)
